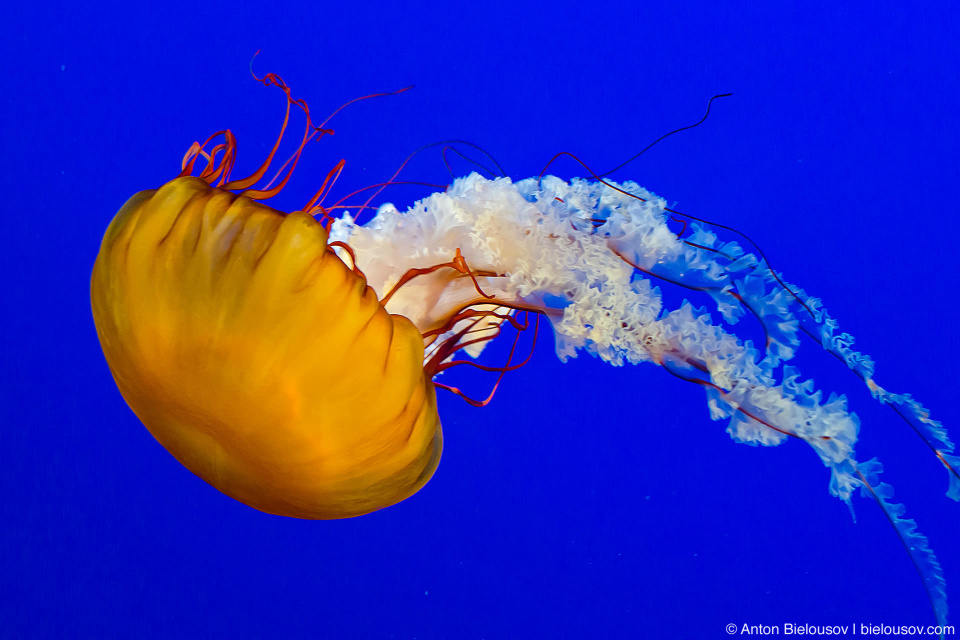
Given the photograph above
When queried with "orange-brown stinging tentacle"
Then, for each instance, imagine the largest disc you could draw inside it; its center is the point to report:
(197, 149)
(317, 200)
(221, 169)
(475, 332)
(186, 166)
(458, 263)
(390, 181)
(349, 250)
(469, 312)
(310, 132)
(339, 203)
(445, 349)
(393, 179)
(214, 168)
(443, 366)
(229, 157)
(372, 95)
(461, 265)
(502, 370)
(276, 81)
(456, 341)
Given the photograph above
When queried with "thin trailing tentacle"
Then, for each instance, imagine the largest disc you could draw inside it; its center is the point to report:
(923, 557)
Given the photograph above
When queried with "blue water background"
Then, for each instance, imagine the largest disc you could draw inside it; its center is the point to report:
(586, 501)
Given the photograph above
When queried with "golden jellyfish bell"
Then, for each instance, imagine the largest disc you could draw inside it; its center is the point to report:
(255, 355)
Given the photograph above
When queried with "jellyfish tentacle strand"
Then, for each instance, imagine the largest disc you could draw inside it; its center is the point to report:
(917, 546)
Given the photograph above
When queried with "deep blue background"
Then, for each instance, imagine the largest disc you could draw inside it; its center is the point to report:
(587, 501)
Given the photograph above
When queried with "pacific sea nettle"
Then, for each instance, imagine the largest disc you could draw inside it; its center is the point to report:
(289, 359)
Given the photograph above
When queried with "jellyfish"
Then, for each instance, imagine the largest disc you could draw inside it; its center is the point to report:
(291, 360)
